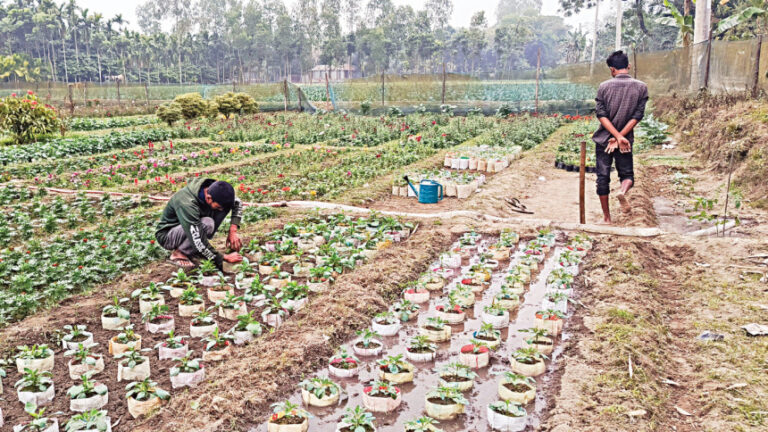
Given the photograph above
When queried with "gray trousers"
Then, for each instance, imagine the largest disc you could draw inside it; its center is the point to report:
(177, 238)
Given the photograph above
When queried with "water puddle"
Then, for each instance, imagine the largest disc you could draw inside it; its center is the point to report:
(484, 391)
(672, 218)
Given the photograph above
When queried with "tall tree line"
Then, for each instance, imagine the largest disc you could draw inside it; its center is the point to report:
(214, 41)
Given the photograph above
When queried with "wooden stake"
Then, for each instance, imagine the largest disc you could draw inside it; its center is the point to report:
(727, 193)
(634, 60)
(146, 92)
(382, 87)
(327, 89)
(756, 70)
(538, 68)
(285, 94)
(72, 102)
(582, 174)
(118, 92)
(442, 98)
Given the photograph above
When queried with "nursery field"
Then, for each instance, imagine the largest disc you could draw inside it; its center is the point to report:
(357, 308)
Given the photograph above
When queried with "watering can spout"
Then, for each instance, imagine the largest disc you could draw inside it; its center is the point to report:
(411, 186)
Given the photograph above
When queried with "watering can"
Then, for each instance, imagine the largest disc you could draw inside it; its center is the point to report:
(430, 191)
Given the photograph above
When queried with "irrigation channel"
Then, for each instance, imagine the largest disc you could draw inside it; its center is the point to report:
(426, 376)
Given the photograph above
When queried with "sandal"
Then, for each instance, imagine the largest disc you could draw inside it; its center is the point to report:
(516, 205)
(182, 263)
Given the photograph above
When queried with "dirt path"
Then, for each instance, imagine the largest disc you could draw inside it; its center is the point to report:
(549, 192)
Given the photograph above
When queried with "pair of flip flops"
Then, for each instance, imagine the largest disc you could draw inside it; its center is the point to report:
(516, 206)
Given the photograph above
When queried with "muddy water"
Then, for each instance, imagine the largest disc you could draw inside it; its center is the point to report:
(483, 392)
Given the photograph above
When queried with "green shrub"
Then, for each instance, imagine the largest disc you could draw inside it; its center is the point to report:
(193, 106)
(394, 111)
(236, 103)
(365, 107)
(169, 112)
(25, 118)
(505, 110)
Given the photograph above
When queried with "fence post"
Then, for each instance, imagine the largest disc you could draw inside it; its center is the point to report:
(538, 68)
(85, 93)
(298, 93)
(634, 59)
(118, 92)
(71, 101)
(443, 95)
(146, 92)
(285, 94)
(756, 72)
(382, 87)
(48, 96)
(709, 53)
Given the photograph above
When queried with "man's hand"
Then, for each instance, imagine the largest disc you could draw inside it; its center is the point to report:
(612, 145)
(625, 146)
(233, 240)
(233, 257)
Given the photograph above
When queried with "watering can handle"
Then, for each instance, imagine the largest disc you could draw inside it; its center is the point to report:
(441, 191)
(411, 186)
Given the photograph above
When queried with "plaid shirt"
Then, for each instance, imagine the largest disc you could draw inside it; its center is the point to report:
(620, 100)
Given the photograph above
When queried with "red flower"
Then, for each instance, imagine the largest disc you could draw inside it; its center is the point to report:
(286, 189)
(434, 122)
(85, 240)
(151, 242)
(367, 389)
(13, 94)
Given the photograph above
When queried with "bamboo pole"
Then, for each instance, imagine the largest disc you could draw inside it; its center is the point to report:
(538, 69)
(582, 175)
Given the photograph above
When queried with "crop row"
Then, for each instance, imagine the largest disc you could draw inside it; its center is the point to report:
(216, 312)
(454, 91)
(42, 216)
(67, 147)
(351, 130)
(90, 123)
(475, 316)
(142, 152)
(526, 131)
(151, 166)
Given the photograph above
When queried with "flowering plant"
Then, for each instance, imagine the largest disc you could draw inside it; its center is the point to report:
(382, 389)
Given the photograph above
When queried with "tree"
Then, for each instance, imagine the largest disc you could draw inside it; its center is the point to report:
(517, 8)
(18, 68)
(684, 23)
(756, 12)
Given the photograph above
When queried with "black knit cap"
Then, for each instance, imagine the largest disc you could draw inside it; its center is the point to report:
(222, 193)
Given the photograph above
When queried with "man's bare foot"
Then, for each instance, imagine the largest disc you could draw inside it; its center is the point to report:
(181, 260)
(625, 207)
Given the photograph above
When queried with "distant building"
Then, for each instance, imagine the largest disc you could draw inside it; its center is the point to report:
(335, 73)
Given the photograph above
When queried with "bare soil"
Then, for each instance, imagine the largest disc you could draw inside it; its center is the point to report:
(548, 192)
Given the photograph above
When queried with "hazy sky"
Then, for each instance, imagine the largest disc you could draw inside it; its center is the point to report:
(462, 10)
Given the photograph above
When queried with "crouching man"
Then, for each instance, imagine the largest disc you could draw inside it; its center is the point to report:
(193, 215)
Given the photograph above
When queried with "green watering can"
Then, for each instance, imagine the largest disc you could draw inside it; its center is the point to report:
(430, 191)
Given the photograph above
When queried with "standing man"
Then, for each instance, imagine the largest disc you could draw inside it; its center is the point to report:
(193, 215)
(620, 105)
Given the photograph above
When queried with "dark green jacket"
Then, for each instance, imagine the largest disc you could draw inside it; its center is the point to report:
(185, 209)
